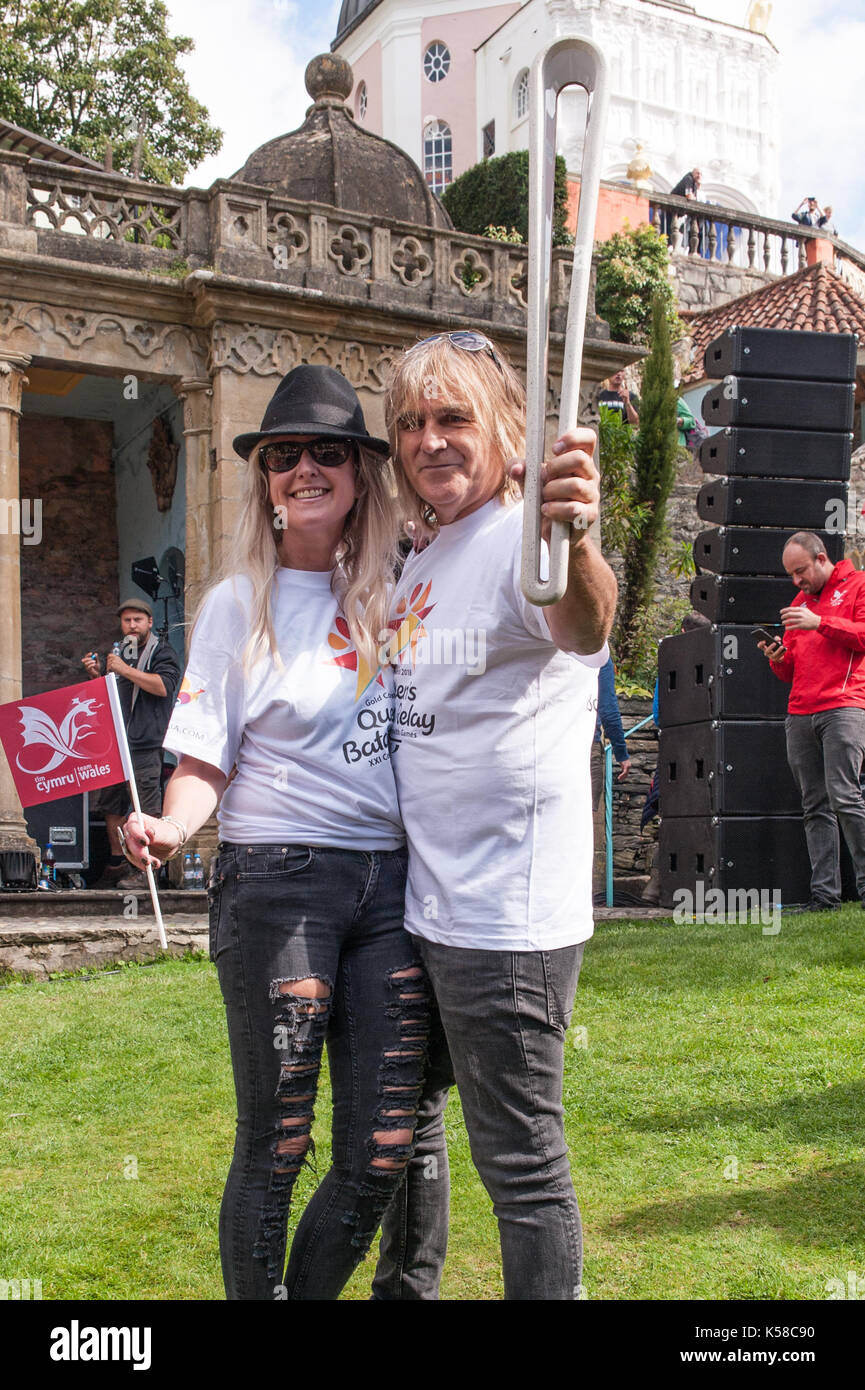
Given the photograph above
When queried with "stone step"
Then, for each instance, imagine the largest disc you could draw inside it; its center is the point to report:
(99, 902)
(45, 943)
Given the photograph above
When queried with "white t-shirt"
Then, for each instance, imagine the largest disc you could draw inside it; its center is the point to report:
(491, 746)
(310, 740)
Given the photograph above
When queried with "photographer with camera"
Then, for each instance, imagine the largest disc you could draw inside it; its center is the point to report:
(148, 674)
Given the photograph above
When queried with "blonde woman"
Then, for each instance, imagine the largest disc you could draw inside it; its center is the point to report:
(307, 891)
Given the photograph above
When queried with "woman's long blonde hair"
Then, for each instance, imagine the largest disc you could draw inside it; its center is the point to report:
(365, 557)
(490, 390)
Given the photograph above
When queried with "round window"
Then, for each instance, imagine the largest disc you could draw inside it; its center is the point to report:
(436, 62)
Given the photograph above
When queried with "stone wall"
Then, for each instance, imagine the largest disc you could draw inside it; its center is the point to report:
(69, 581)
(703, 284)
(631, 850)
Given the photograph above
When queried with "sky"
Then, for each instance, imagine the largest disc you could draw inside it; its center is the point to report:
(250, 55)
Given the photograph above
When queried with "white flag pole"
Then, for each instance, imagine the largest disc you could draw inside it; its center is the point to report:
(126, 759)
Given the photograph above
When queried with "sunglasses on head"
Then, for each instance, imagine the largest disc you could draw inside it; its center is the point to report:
(328, 453)
(466, 340)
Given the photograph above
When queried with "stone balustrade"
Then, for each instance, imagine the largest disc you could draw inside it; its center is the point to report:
(249, 232)
(746, 241)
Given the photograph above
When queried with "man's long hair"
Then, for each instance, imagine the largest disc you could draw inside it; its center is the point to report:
(491, 393)
(365, 558)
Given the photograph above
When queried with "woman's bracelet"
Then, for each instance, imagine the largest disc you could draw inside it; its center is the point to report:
(184, 834)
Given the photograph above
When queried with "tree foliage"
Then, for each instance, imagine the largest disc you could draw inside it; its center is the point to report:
(633, 267)
(104, 71)
(621, 517)
(496, 193)
(655, 458)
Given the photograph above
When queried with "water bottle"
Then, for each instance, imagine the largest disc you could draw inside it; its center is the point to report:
(198, 872)
(50, 862)
(188, 871)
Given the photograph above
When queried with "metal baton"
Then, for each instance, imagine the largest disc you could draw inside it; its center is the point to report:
(568, 62)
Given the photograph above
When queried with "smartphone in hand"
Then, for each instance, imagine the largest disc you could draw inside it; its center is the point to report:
(771, 639)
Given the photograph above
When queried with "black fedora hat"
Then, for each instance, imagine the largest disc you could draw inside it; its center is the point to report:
(313, 400)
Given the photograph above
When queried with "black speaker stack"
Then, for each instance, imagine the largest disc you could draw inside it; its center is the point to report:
(730, 809)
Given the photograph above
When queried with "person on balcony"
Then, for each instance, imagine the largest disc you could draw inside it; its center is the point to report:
(809, 213)
(688, 186)
(826, 223)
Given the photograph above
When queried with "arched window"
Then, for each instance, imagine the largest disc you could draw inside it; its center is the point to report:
(436, 62)
(437, 155)
(521, 95)
(361, 102)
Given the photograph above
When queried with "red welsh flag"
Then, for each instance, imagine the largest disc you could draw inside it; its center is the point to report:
(65, 741)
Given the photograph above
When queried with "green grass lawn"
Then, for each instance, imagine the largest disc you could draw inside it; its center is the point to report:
(714, 1094)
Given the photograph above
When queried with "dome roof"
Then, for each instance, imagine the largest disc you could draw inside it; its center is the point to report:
(352, 10)
(331, 159)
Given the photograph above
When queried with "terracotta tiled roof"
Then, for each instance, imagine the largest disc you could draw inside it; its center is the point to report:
(814, 299)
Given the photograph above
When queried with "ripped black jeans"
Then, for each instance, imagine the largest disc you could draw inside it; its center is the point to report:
(309, 946)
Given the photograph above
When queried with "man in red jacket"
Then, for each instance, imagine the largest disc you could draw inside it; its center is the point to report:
(823, 655)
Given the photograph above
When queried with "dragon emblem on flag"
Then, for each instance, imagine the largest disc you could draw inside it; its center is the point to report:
(63, 740)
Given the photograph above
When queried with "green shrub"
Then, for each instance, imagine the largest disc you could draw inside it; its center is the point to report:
(495, 193)
(633, 266)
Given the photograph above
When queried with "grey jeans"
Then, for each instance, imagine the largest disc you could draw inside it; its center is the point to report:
(825, 752)
(504, 1016)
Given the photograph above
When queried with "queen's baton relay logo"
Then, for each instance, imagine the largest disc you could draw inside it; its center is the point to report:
(61, 743)
(407, 625)
(187, 694)
(347, 655)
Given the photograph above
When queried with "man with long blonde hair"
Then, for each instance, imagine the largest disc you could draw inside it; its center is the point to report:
(494, 719)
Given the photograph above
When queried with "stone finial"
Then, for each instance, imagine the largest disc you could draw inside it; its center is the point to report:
(328, 77)
(639, 170)
(758, 16)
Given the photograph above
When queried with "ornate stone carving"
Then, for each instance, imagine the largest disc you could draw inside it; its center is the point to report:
(12, 382)
(471, 273)
(411, 262)
(284, 231)
(196, 397)
(250, 348)
(74, 208)
(238, 230)
(169, 347)
(162, 462)
(518, 282)
(247, 347)
(349, 250)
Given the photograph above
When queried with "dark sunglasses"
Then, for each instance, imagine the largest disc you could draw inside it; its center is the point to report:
(329, 453)
(466, 340)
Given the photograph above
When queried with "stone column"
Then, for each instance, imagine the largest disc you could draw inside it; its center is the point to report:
(13, 829)
(197, 396)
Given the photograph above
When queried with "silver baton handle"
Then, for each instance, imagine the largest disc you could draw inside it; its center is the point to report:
(568, 62)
